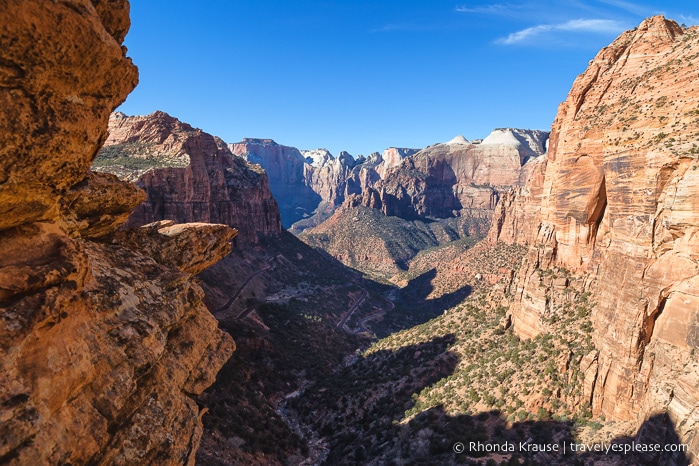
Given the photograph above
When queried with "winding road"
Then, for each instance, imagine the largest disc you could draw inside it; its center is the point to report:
(240, 290)
(354, 307)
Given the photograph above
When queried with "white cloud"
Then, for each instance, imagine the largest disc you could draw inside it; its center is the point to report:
(597, 26)
(686, 19)
(495, 8)
(634, 8)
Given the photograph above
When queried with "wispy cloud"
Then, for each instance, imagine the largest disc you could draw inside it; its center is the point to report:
(504, 9)
(596, 26)
(687, 19)
(633, 8)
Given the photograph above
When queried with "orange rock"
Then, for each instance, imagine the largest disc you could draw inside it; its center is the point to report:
(618, 203)
(188, 176)
(102, 348)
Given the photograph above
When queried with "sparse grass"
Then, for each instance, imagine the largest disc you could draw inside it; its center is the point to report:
(136, 156)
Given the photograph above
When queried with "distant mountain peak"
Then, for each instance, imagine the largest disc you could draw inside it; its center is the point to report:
(262, 141)
(533, 140)
(457, 140)
(318, 157)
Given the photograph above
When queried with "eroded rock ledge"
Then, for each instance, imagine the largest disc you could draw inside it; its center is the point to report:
(104, 339)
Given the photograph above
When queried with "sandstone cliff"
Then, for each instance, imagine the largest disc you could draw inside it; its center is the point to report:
(426, 198)
(285, 167)
(105, 340)
(311, 184)
(616, 202)
(188, 175)
(458, 178)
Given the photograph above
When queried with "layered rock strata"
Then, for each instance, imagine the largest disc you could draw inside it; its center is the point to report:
(458, 178)
(188, 175)
(285, 166)
(104, 342)
(311, 184)
(616, 201)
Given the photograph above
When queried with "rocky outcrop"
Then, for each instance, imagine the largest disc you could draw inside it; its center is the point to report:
(103, 343)
(43, 111)
(427, 198)
(327, 177)
(617, 203)
(188, 175)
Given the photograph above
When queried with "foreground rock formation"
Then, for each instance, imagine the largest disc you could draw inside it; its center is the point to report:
(616, 201)
(188, 175)
(104, 340)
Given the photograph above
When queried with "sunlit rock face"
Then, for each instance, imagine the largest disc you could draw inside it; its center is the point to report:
(104, 342)
(617, 200)
(458, 178)
(188, 176)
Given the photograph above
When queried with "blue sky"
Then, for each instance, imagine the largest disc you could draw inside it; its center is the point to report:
(364, 75)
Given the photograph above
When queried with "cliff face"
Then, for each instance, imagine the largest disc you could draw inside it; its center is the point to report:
(616, 200)
(105, 339)
(401, 202)
(311, 184)
(458, 178)
(285, 167)
(188, 175)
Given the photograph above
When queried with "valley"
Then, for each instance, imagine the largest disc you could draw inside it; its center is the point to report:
(172, 298)
(416, 308)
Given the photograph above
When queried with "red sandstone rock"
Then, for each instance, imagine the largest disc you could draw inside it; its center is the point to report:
(617, 202)
(188, 175)
(102, 348)
(459, 178)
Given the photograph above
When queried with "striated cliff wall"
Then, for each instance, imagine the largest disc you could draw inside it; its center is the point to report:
(458, 178)
(188, 175)
(104, 341)
(311, 184)
(285, 166)
(616, 202)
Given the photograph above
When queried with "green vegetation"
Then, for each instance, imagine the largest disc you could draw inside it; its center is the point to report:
(136, 156)
(381, 245)
(462, 375)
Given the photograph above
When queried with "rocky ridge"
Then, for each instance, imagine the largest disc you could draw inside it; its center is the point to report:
(614, 204)
(96, 366)
(311, 184)
(188, 175)
(458, 178)
(440, 194)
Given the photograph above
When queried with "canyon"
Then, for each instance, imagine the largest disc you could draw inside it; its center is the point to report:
(442, 193)
(188, 176)
(157, 311)
(313, 183)
(281, 300)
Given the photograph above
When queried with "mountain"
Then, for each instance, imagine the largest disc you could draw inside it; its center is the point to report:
(580, 322)
(105, 340)
(440, 194)
(285, 167)
(574, 322)
(188, 175)
(311, 184)
(458, 178)
(614, 206)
